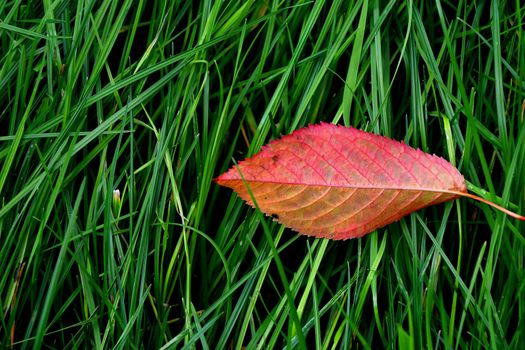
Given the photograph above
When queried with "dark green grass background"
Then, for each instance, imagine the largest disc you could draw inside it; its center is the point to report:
(156, 98)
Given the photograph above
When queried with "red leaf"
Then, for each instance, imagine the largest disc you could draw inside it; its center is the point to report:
(336, 182)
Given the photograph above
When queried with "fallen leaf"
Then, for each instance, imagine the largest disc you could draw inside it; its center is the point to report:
(338, 182)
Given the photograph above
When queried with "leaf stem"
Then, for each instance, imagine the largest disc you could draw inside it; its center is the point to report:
(483, 200)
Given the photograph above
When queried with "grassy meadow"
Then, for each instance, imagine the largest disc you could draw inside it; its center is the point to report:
(116, 116)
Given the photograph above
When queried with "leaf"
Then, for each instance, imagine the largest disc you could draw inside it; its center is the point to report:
(338, 182)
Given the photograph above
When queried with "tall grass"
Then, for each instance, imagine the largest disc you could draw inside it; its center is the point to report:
(116, 116)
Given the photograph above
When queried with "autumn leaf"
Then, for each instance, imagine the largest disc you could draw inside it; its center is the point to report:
(338, 182)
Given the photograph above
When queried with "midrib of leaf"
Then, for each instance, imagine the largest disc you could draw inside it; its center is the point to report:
(394, 188)
(364, 187)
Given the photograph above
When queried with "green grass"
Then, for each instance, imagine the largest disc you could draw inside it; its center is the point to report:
(155, 99)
